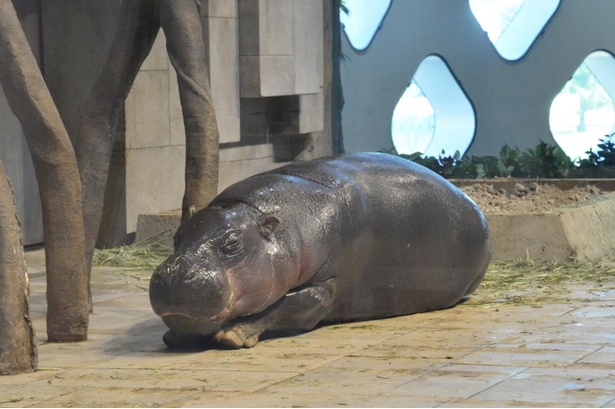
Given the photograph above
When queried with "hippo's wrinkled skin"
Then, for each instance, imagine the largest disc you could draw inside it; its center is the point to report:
(359, 237)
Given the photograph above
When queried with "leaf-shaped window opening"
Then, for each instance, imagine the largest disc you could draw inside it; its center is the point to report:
(361, 20)
(513, 25)
(583, 112)
(433, 114)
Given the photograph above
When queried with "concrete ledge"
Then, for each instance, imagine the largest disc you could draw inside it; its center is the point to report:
(563, 184)
(583, 232)
(158, 227)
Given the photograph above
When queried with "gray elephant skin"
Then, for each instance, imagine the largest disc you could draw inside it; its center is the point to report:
(358, 237)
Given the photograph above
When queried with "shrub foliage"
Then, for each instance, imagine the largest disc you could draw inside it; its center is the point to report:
(543, 161)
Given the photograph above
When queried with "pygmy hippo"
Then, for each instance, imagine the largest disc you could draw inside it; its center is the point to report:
(357, 237)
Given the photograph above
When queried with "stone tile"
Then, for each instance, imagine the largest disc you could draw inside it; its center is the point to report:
(535, 355)
(232, 172)
(177, 133)
(8, 383)
(602, 292)
(479, 403)
(276, 32)
(306, 398)
(343, 336)
(311, 113)
(98, 348)
(595, 311)
(130, 301)
(268, 356)
(308, 46)
(419, 352)
(479, 356)
(329, 380)
(35, 259)
(168, 379)
(147, 111)
(222, 8)
(111, 325)
(249, 39)
(249, 76)
(565, 387)
(242, 153)
(604, 358)
(426, 344)
(224, 74)
(100, 296)
(104, 312)
(443, 338)
(159, 188)
(277, 76)
(456, 381)
(160, 358)
(33, 393)
(158, 59)
(160, 226)
(114, 397)
(569, 332)
(260, 359)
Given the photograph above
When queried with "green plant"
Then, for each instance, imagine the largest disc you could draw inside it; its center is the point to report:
(445, 165)
(543, 161)
(604, 156)
(509, 159)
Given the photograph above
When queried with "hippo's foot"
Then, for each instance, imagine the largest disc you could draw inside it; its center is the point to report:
(175, 340)
(299, 310)
(241, 335)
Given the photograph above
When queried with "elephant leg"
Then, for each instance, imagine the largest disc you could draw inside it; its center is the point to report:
(134, 37)
(181, 23)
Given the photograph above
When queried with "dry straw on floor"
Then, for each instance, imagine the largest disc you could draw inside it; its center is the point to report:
(506, 282)
(145, 255)
(535, 282)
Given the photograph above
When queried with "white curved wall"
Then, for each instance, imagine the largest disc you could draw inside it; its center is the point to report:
(511, 99)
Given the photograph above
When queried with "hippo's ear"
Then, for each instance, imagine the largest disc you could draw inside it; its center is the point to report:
(268, 226)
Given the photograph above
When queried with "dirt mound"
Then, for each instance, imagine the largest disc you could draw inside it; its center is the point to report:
(528, 198)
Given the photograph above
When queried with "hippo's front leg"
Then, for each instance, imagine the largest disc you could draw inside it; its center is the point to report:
(297, 311)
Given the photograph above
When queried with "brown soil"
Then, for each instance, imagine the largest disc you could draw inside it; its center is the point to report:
(528, 198)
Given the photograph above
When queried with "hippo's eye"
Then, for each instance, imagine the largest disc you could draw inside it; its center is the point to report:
(231, 245)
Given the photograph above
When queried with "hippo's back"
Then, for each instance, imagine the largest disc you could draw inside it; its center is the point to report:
(421, 244)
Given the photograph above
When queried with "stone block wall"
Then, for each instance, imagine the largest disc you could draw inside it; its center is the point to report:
(258, 130)
(269, 88)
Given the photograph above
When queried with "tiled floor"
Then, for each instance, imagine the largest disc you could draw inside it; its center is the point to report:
(560, 354)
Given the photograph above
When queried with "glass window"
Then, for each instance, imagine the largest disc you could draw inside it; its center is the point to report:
(433, 114)
(513, 25)
(363, 20)
(583, 112)
(413, 121)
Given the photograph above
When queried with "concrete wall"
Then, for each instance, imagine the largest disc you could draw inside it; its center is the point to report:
(511, 100)
(259, 129)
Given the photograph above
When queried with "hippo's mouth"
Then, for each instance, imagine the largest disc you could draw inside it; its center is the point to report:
(219, 316)
(190, 325)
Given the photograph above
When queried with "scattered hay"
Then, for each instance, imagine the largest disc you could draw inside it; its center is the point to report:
(536, 282)
(148, 254)
(506, 282)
